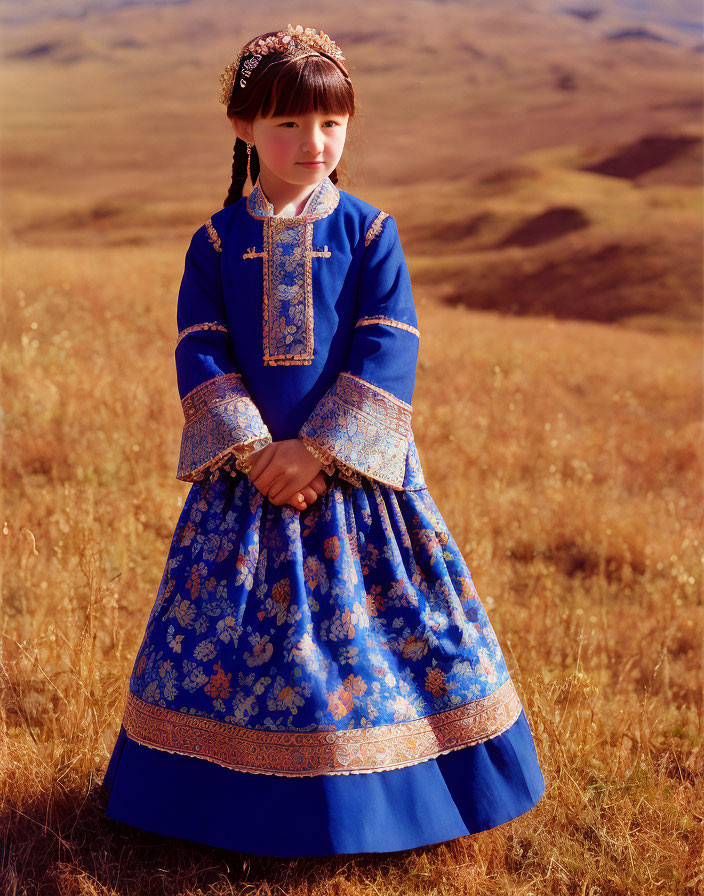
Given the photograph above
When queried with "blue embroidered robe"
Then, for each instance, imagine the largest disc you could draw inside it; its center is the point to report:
(299, 327)
(327, 680)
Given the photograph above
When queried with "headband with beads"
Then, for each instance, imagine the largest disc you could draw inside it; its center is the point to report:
(292, 41)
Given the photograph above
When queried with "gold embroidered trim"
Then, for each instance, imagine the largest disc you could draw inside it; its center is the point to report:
(325, 200)
(389, 321)
(375, 228)
(288, 338)
(252, 253)
(275, 238)
(237, 454)
(210, 325)
(325, 752)
(221, 423)
(375, 445)
(287, 254)
(326, 459)
(211, 393)
(332, 464)
(213, 234)
(242, 452)
(367, 385)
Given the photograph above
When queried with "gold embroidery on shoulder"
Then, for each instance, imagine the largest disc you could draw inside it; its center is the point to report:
(387, 320)
(213, 234)
(375, 228)
(206, 326)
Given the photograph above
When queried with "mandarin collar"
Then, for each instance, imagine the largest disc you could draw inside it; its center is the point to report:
(321, 202)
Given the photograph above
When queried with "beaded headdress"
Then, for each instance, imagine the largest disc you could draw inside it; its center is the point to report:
(296, 41)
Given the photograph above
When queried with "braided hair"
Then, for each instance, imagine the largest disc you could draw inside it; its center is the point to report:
(282, 85)
(239, 171)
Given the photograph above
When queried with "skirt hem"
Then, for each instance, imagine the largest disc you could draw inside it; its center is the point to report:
(460, 793)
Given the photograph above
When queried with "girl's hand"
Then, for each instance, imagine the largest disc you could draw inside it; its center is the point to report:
(281, 469)
(259, 460)
(309, 493)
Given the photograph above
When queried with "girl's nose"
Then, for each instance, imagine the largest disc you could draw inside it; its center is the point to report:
(314, 142)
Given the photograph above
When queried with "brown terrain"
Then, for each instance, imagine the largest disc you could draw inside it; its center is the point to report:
(544, 164)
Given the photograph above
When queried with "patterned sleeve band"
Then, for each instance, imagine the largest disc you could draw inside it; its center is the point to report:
(365, 321)
(362, 430)
(209, 325)
(221, 423)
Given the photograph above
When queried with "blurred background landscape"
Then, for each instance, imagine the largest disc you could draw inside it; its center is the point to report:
(544, 164)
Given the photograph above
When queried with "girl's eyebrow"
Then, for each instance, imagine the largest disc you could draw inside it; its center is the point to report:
(303, 115)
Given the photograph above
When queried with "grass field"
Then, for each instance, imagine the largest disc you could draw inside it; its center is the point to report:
(566, 458)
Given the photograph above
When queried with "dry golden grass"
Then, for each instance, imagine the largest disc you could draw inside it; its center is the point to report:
(566, 458)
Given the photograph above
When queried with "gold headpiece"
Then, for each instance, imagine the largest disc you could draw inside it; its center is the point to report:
(294, 41)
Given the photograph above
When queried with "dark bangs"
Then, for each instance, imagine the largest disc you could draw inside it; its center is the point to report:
(310, 84)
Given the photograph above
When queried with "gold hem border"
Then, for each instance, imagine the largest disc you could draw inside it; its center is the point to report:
(326, 752)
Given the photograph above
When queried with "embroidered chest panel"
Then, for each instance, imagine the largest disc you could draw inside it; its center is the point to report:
(287, 271)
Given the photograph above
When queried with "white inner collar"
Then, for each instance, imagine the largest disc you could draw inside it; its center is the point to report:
(289, 211)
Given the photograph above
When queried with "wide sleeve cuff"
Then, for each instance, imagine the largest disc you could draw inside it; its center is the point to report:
(359, 429)
(222, 425)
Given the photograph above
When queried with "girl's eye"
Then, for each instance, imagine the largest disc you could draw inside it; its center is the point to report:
(286, 123)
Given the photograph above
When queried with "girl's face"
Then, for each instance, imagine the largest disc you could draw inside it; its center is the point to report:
(296, 149)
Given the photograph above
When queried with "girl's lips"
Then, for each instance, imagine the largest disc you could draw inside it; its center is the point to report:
(311, 164)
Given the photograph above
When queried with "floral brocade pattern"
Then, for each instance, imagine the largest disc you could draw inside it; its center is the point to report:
(356, 613)
(287, 256)
(325, 201)
(220, 420)
(362, 427)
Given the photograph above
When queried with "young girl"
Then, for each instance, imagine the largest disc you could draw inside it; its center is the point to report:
(318, 674)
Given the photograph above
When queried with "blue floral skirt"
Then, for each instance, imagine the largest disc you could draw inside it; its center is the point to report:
(318, 682)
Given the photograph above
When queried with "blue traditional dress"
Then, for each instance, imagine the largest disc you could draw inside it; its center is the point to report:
(327, 680)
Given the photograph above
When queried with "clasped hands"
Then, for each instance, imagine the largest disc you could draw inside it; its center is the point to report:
(286, 472)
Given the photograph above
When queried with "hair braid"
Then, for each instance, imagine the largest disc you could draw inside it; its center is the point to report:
(239, 173)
